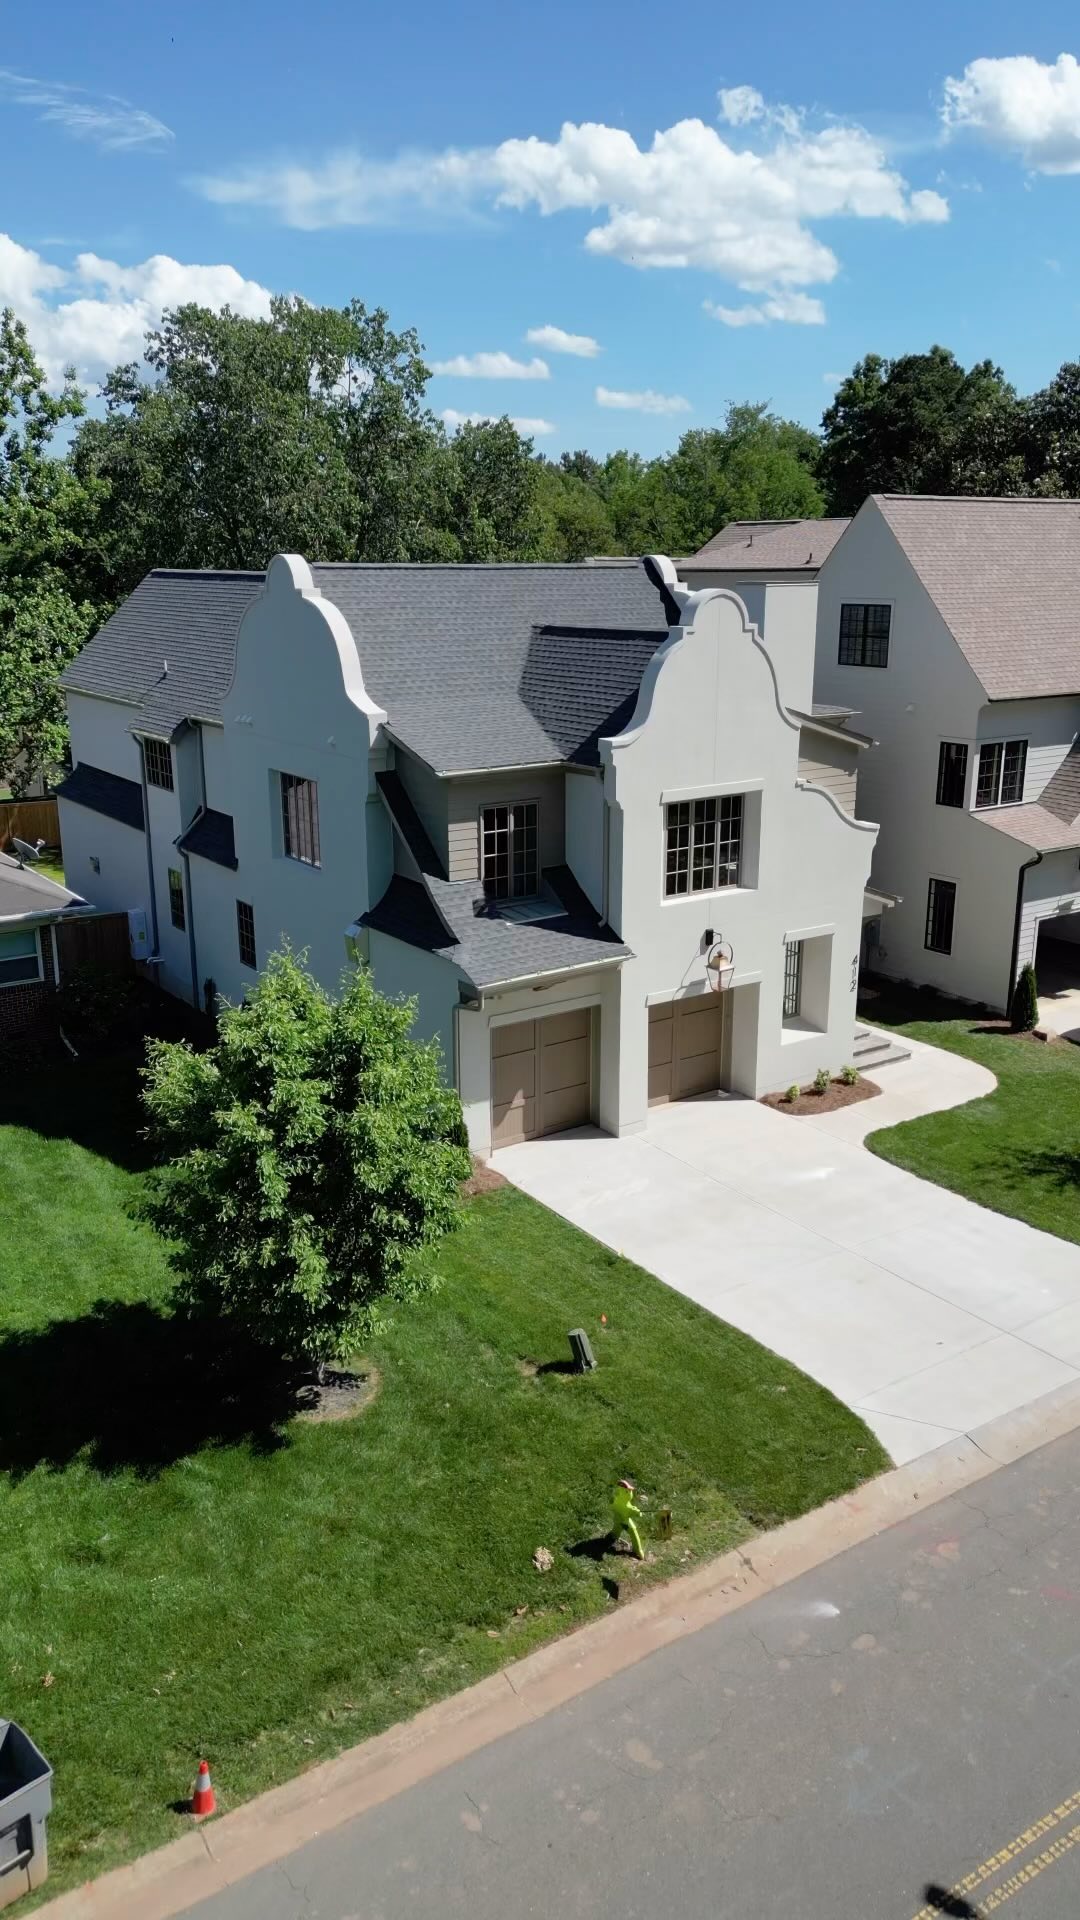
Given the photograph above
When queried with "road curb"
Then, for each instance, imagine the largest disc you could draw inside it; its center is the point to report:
(206, 1861)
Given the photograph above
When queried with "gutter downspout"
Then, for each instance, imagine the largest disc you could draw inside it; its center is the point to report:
(195, 996)
(1024, 868)
(155, 947)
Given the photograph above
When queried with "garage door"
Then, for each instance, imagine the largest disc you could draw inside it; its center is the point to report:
(688, 1046)
(539, 1077)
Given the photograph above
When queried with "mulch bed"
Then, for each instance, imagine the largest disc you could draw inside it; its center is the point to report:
(483, 1179)
(838, 1095)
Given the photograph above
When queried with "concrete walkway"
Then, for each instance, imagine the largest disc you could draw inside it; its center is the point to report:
(926, 1313)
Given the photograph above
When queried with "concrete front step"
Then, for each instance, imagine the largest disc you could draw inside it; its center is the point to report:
(873, 1050)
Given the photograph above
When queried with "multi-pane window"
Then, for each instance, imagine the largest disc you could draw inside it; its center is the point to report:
(940, 911)
(703, 844)
(792, 979)
(300, 819)
(951, 773)
(176, 898)
(245, 933)
(510, 851)
(19, 958)
(1002, 766)
(864, 634)
(159, 771)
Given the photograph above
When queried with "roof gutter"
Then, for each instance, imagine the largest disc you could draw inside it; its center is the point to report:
(553, 973)
(1024, 866)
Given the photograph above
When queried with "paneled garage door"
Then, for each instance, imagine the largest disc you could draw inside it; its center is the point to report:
(689, 1045)
(539, 1076)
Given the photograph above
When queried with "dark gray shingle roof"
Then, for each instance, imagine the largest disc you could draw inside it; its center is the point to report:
(1004, 575)
(210, 835)
(105, 793)
(451, 652)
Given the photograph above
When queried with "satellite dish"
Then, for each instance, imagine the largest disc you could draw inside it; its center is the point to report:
(25, 852)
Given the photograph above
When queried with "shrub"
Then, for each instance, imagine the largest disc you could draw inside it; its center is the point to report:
(311, 1158)
(93, 1000)
(849, 1075)
(793, 1092)
(822, 1080)
(1025, 1002)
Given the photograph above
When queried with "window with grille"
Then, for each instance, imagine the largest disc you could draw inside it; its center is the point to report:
(940, 912)
(245, 933)
(1002, 766)
(176, 898)
(300, 819)
(864, 634)
(792, 979)
(19, 958)
(510, 851)
(951, 773)
(158, 761)
(703, 844)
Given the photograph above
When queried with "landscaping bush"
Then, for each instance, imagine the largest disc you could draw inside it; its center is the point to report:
(1025, 1002)
(311, 1157)
(793, 1092)
(849, 1075)
(822, 1080)
(93, 1000)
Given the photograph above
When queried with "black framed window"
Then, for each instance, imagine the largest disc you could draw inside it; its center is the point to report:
(1002, 767)
(158, 761)
(510, 850)
(940, 913)
(952, 773)
(703, 844)
(176, 898)
(864, 634)
(245, 933)
(300, 819)
(792, 978)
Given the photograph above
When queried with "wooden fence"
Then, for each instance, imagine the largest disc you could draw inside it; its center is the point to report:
(29, 820)
(100, 940)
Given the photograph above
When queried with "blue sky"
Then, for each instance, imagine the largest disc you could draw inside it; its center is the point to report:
(827, 182)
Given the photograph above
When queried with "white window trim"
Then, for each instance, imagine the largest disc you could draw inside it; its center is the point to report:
(1001, 740)
(808, 933)
(705, 893)
(716, 789)
(36, 931)
(523, 800)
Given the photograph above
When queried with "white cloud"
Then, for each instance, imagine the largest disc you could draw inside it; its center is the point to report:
(799, 309)
(96, 313)
(690, 199)
(1021, 105)
(647, 402)
(740, 105)
(492, 366)
(833, 379)
(531, 428)
(557, 340)
(105, 118)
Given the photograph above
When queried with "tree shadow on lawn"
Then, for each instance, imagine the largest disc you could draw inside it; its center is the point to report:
(93, 1103)
(130, 1386)
(1059, 1165)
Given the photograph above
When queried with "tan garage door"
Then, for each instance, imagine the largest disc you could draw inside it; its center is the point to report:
(539, 1076)
(688, 1046)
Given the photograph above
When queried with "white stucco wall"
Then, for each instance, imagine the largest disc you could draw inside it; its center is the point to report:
(599, 990)
(101, 734)
(925, 695)
(123, 880)
(784, 610)
(404, 973)
(709, 721)
(212, 743)
(585, 834)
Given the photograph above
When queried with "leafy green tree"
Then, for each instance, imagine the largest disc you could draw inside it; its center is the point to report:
(46, 527)
(1051, 435)
(493, 507)
(311, 1159)
(921, 424)
(575, 518)
(755, 467)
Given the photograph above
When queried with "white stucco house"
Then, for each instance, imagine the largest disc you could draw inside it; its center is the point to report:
(560, 805)
(951, 626)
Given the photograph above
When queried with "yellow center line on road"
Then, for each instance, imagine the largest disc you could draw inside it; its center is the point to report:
(1032, 1871)
(990, 1869)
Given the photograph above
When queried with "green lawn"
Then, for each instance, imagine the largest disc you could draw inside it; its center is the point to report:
(1017, 1150)
(186, 1574)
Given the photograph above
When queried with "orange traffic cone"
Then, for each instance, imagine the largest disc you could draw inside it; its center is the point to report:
(202, 1800)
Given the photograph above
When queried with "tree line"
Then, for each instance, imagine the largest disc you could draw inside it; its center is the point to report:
(310, 431)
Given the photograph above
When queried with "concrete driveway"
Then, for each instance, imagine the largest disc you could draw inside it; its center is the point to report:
(1058, 969)
(927, 1314)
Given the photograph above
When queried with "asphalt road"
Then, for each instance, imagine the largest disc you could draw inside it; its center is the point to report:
(904, 1719)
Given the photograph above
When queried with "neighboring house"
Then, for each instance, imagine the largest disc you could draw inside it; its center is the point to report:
(538, 798)
(31, 908)
(951, 625)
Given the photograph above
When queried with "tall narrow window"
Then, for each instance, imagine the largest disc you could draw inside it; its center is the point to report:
(703, 844)
(176, 898)
(245, 933)
(951, 773)
(1002, 767)
(510, 851)
(792, 979)
(864, 634)
(300, 819)
(158, 762)
(940, 912)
